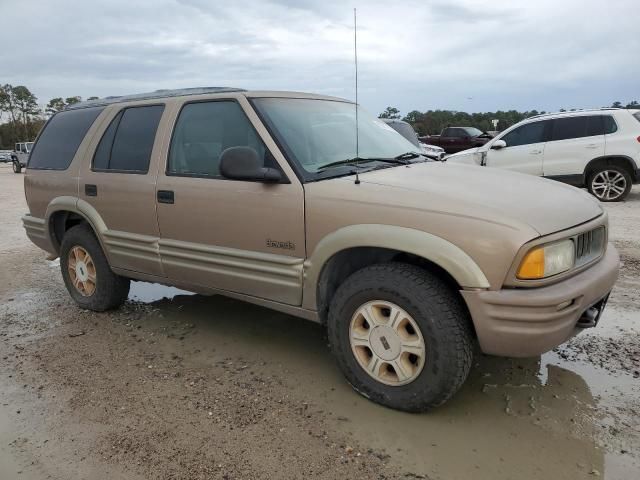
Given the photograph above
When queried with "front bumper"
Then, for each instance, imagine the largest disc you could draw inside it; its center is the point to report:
(529, 322)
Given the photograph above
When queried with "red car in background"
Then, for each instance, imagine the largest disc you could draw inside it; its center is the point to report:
(456, 139)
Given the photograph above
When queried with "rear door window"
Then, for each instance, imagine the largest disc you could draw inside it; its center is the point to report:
(61, 137)
(580, 126)
(595, 126)
(127, 143)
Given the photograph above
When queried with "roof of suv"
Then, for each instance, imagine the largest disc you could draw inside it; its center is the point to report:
(183, 92)
(588, 111)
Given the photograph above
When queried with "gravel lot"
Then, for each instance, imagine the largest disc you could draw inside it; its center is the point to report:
(181, 386)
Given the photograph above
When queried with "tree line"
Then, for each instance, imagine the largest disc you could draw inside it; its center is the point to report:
(432, 122)
(21, 117)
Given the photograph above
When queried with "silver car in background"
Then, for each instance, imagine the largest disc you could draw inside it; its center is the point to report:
(406, 130)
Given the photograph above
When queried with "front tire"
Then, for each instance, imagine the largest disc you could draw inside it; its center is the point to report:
(401, 336)
(610, 183)
(17, 168)
(87, 274)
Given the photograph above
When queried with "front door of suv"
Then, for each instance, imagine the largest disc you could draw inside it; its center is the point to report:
(573, 142)
(239, 236)
(524, 151)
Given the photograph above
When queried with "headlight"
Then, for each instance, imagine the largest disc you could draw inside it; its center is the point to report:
(547, 260)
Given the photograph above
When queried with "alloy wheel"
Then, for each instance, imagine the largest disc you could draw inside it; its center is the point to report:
(82, 271)
(608, 185)
(387, 343)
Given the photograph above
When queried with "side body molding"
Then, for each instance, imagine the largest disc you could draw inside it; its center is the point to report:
(430, 247)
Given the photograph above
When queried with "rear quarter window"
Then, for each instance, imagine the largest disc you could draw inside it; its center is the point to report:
(610, 125)
(61, 137)
(637, 116)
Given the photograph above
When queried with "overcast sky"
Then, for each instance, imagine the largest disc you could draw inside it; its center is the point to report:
(451, 54)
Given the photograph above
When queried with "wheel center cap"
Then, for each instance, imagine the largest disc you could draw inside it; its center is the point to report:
(81, 271)
(385, 342)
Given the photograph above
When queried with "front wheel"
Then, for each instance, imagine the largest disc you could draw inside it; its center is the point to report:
(87, 274)
(401, 336)
(610, 183)
(17, 168)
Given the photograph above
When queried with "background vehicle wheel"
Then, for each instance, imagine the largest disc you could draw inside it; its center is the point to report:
(401, 336)
(87, 274)
(17, 168)
(610, 183)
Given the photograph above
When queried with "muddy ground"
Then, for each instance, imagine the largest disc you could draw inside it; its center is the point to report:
(193, 387)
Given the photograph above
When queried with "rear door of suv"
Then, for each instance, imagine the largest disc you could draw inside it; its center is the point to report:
(574, 141)
(119, 182)
(240, 236)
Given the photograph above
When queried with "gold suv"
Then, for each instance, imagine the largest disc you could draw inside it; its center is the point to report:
(278, 199)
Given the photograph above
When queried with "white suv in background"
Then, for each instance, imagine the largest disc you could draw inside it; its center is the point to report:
(596, 149)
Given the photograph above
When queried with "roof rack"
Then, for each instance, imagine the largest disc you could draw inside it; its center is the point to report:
(578, 110)
(151, 95)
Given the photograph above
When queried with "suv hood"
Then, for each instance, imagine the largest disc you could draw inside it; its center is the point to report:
(494, 195)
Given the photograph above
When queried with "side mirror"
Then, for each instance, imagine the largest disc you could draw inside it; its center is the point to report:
(243, 163)
(498, 144)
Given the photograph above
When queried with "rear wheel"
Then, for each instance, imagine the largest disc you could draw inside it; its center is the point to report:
(401, 336)
(17, 168)
(610, 183)
(87, 274)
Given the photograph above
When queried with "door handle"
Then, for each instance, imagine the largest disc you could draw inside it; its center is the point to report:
(535, 152)
(592, 145)
(90, 190)
(165, 196)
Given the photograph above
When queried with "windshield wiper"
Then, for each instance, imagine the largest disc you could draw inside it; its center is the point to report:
(349, 161)
(407, 156)
(402, 159)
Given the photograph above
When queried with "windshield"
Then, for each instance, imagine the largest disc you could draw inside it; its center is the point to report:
(29, 146)
(316, 133)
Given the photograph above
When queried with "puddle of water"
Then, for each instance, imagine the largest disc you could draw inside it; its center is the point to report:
(153, 292)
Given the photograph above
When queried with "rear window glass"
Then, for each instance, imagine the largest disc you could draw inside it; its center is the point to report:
(128, 141)
(61, 137)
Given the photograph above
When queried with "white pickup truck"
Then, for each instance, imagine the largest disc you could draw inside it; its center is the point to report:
(20, 155)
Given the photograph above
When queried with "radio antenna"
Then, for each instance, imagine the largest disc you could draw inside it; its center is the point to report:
(355, 57)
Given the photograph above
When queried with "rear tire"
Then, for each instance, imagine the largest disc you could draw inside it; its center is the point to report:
(431, 312)
(87, 274)
(610, 183)
(17, 168)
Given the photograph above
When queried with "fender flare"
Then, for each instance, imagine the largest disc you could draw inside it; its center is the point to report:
(606, 158)
(79, 207)
(430, 247)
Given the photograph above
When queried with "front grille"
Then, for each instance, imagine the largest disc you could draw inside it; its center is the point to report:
(589, 245)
